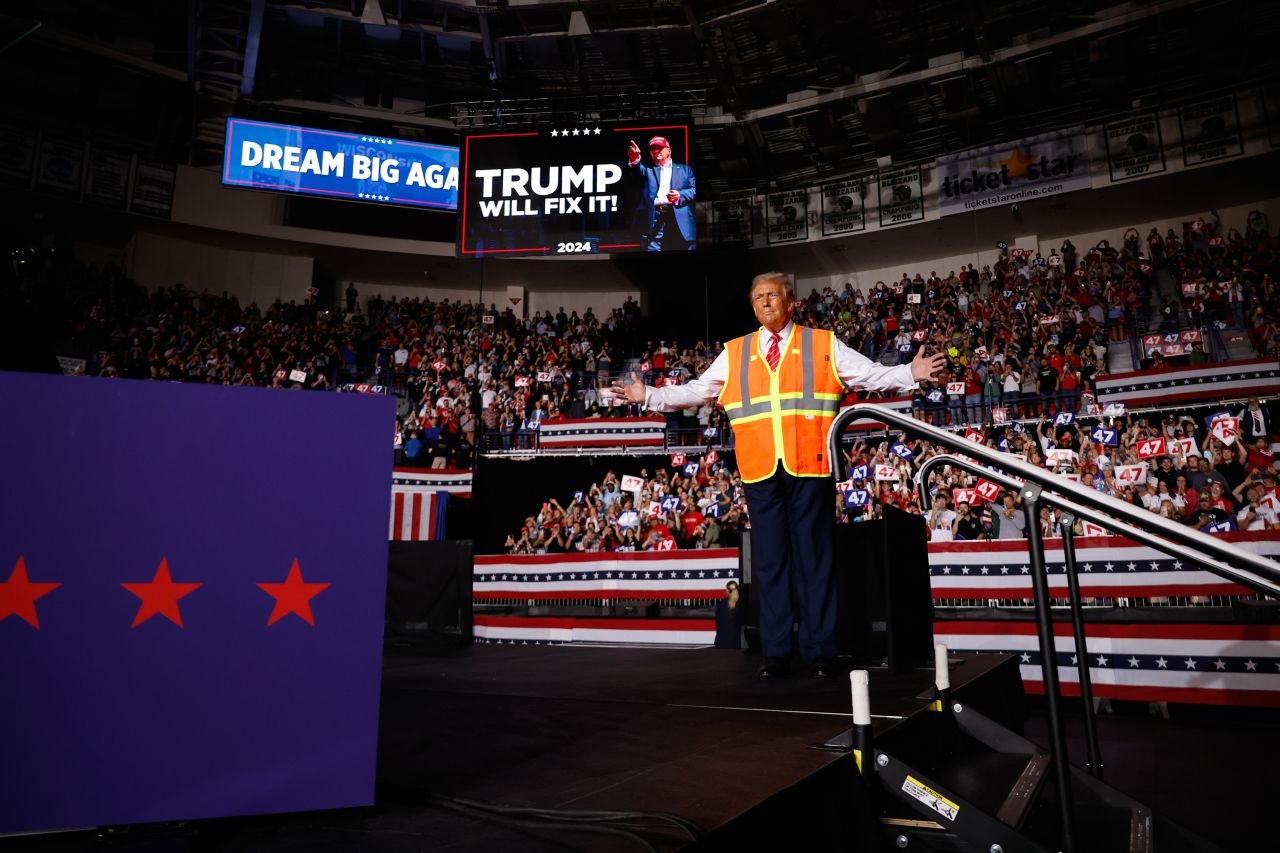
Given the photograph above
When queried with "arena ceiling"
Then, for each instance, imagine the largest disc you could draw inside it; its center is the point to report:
(787, 92)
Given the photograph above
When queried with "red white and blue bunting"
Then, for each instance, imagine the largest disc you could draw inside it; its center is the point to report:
(1224, 381)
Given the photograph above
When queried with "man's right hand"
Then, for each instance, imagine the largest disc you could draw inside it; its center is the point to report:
(633, 391)
(633, 151)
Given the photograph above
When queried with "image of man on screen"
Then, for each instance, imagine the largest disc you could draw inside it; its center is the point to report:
(669, 192)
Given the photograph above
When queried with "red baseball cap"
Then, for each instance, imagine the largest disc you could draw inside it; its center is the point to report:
(659, 142)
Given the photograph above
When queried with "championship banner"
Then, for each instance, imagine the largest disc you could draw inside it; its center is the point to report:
(194, 638)
(1270, 96)
(602, 432)
(1108, 566)
(901, 196)
(1171, 343)
(302, 160)
(152, 193)
(1135, 148)
(843, 207)
(60, 166)
(787, 215)
(1207, 664)
(678, 574)
(577, 190)
(107, 183)
(1035, 167)
(1227, 380)
(1210, 130)
(732, 225)
(17, 156)
(418, 516)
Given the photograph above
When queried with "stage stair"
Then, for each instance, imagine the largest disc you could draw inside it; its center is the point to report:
(951, 778)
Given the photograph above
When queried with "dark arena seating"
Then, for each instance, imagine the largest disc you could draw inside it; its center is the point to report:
(451, 584)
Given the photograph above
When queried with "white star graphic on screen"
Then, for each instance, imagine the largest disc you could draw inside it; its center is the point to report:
(1220, 664)
(702, 574)
(1026, 657)
(1251, 665)
(1162, 663)
(1133, 663)
(716, 573)
(1154, 565)
(1074, 660)
(1088, 567)
(1133, 567)
(1102, 660)
(688, 574)
(946, 570)
(1191, 664)
(1110, 566)
(575, 131)
(597, 131)
(608, 574)
(1004, 570)
(554, 134)
(964, 570)
(1026, 570)
(985, 570)
(1177, 564)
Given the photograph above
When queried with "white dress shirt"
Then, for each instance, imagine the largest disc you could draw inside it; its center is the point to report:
(664, 185)
(852, 367)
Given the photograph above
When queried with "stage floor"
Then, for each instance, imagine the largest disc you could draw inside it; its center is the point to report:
(687, 731)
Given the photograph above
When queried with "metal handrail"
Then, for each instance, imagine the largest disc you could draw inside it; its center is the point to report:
(1251, 570)
(1115, 525)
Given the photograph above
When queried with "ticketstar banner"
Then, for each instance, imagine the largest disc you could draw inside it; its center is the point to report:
(1035, 167)
(901, 196)
(843, 207)
(788, 214)
(1135, 148)
(1210, 130)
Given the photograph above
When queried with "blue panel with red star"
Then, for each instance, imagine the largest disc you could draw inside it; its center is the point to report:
(192, 585)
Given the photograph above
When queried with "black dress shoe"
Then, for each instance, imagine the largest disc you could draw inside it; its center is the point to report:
(824, 668)
(774, 668)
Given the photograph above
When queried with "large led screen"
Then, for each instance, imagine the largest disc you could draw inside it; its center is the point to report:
(578, 190)
(359, 167)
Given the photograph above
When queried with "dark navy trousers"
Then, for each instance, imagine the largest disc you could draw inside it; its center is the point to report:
(792, 541)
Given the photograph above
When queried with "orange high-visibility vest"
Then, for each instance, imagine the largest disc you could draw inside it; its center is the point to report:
(784, 414)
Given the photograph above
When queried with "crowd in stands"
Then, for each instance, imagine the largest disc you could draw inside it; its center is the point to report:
(1028, 334)
(690, 505)
(1217, 482)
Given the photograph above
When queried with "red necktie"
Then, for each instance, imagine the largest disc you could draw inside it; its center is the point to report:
(773, 356)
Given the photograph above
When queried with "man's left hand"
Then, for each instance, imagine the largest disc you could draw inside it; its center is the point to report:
(927, 366)
(673, 197)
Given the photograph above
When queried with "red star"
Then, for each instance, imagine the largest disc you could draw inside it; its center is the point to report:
(18, 595)
(293, 596)
(160, 595)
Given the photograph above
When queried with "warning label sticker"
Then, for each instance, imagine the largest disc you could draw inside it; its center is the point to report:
(931, 798)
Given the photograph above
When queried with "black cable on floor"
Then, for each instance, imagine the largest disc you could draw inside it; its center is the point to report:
(518, 823)
(690, 827)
